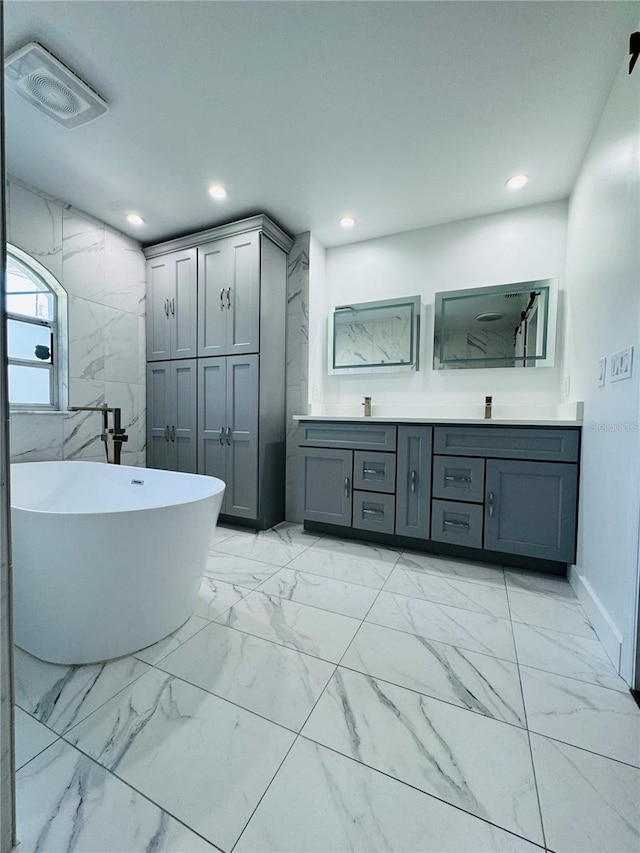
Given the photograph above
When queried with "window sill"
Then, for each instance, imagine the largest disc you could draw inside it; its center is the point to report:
(48, 412)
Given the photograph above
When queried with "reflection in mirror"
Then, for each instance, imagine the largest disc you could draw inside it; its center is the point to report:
(502, 326)
(375, 336)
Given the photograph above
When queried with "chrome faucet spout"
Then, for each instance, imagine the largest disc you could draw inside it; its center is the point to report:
(114, 436)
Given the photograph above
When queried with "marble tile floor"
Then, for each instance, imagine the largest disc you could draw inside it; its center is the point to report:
(329, 695)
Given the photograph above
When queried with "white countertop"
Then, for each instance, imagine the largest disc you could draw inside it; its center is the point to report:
(430, 420)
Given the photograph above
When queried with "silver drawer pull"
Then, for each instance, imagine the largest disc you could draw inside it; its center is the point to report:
(372, 471)
(459, 524)
(222, 298)
(166, 307)
(413, 481)
(450, 478)
(491, 504)
(372, 511)
(221, 433)
(347, 486)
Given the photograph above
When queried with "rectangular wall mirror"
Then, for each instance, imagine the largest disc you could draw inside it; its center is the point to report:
(508, 325)
(374, 336)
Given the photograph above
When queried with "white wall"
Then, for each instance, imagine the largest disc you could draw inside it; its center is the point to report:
(603, 283)
(103, 273)
(519, 245)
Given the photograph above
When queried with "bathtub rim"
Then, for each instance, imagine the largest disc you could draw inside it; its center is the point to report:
(221, 486)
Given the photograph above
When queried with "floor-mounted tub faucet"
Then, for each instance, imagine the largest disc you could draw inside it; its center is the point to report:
(114, 436)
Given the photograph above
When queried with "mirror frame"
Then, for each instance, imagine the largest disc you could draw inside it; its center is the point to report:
(546, 359)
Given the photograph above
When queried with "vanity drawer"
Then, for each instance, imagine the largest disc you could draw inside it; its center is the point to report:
(374, 472)
(458, 478)
(374, 511)
(552, 445)
(456, 522)
(349, 435)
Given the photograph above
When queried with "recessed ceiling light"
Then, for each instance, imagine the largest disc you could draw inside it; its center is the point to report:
(218, 192)
(347, 221)
(135, 219)
(517, 182)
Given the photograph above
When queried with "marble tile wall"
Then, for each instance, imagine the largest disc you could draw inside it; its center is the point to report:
(297, 349)
(103, 273)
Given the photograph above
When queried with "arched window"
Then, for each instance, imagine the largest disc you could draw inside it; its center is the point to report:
(36, 334)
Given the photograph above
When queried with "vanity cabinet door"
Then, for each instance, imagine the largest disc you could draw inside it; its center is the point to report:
(171, 415)
(212, 419)
(183, 425)
(157, 308)
(213, 305)
(530, 509)
(183, 304)
(326, 479)
(243, 295)
(241, 498)
(413, 484)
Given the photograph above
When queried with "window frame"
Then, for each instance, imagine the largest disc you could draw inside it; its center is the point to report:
(57, 369)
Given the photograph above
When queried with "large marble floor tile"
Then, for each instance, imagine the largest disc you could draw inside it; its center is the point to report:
(487, 599)
(554, 586)
(204, 760)
(306, 629)
(66, 802)
(594, 718)
(589, 803)
(564, 654)
(480, 683)
(275, 682)
(321, 801)
(358, 570)
(473, 631)
(470, 761)
(359, 550)
(215, 597)
(239, 571)
(340, 597)
(31, 737)
(60, 696)
(417, 561)
(277, 546)
(558, 614)
(153, 654)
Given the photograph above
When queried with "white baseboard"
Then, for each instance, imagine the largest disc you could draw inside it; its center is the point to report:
(607, 632)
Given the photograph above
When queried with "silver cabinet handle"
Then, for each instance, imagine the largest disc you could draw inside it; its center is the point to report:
(228, 435)
(450, 478)
(173, 433)
(166, 307)
(173, 306)
(228, 297)
(347, 486)
(167, 433)
(459, 524)
(220, 438)
(372, 471)
(372, 511)
(491, 504)
(222, 298)
(413, 481)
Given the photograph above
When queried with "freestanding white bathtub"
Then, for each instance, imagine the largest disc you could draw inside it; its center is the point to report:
(107, 558)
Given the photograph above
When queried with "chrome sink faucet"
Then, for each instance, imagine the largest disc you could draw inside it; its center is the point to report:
(114, 436)
(488, 404)
(367, 407)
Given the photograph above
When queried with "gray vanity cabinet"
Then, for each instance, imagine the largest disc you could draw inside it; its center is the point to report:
(326, 479)
(171, 415)
(413, 488)
(228, 429)
(530, 508)
(171, 306)
(229, 295)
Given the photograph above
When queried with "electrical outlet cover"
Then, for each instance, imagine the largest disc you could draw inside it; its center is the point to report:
(621, 364)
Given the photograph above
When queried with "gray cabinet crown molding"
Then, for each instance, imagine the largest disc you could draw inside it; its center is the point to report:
(259, 222)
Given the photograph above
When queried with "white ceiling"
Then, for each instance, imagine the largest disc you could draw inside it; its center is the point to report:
(404, 114)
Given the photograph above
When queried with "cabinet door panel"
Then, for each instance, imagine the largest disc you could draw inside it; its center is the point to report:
(325, 485)
(183, 305)
(530, 509)
(413, 487)
(212, 419)
(243, 320)
(183, 430)
(213, 281)
(160, 451)
(157, 309)
(242, 422)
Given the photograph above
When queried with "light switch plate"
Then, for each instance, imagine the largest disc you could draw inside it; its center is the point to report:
(566, 386)
(621, 364)
(602, 371)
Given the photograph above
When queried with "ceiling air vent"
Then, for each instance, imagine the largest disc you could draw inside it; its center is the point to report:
(50, 86)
